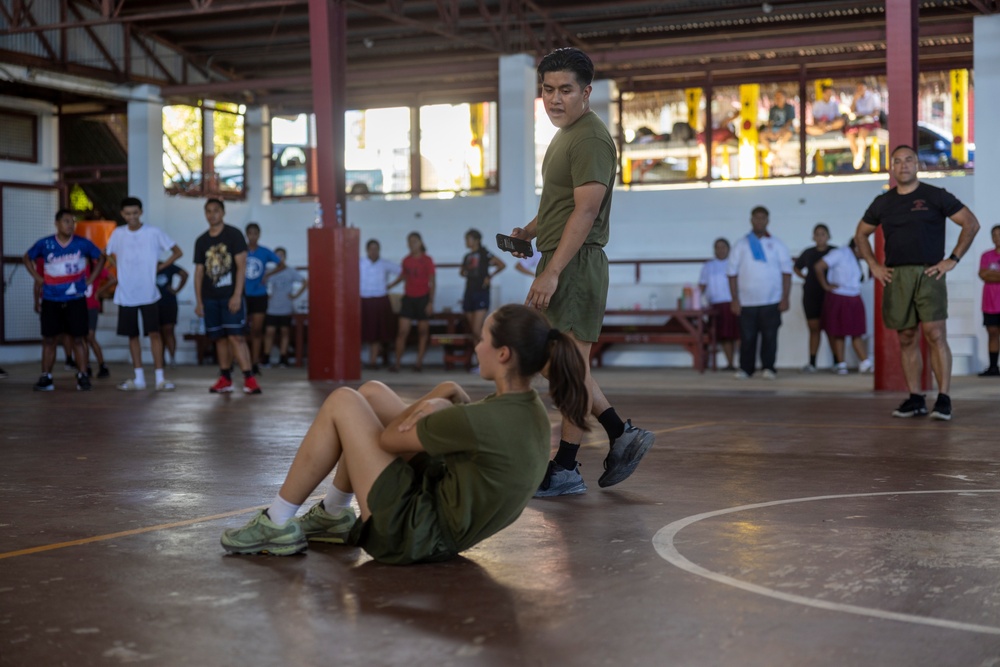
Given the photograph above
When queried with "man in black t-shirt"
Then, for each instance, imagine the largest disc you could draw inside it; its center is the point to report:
(913, 217)
(220, 263)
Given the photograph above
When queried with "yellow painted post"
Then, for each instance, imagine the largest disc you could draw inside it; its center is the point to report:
(959, 115)
(693, 97)
(749, 99)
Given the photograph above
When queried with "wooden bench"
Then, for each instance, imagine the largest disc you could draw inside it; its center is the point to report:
(690, 329)
(204, 346)
(458, 348)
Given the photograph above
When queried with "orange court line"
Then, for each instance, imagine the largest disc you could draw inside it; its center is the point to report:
(135, 531)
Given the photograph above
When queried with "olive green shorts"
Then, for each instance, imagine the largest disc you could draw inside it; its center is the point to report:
(913, 297)
(403, 527)
(582, 295)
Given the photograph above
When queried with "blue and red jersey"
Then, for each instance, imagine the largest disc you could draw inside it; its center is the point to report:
(64, 267)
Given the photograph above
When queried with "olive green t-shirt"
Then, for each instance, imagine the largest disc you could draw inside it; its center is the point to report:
(495, 453)
(579, 154)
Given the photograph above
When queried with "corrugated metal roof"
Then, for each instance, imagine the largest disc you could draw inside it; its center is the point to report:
(403, 51)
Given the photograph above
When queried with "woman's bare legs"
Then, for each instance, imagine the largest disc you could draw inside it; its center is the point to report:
(346, 430)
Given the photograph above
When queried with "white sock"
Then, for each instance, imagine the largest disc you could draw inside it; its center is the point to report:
(140, 377)
(159, 375)
(336, 499)
(281, 510)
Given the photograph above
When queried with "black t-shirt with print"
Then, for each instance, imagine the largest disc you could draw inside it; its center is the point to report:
(913, 224)
(218, 255)
(476, 266)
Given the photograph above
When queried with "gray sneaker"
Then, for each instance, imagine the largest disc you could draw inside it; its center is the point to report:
(625, 454)
(321, 526)
(261, 535)
(561, 482)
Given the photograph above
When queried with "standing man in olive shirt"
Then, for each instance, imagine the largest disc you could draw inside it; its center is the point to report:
(913, 217)
(571, 283)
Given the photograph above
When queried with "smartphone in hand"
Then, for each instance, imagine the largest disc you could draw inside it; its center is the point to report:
(511, 244)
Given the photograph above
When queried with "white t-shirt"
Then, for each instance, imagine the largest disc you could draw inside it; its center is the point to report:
(867, 105)
(713, 276)
(375, 276)
(136, 256)
(823, 110)
(759, 283)
(844, 271)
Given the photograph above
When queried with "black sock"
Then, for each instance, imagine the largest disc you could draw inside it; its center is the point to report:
(566, 456)
(612, 423)
(993, 359)
(247, 374)
(944, 398)
(227, 373)
(812, 360)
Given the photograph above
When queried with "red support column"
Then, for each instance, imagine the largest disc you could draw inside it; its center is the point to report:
(901, 28)
(334, 298)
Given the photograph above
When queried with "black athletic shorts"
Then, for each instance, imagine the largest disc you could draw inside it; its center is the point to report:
(277, 321)
(256, 304)
(59, 317)
(168, 311)
(414, 307)
(128, 320)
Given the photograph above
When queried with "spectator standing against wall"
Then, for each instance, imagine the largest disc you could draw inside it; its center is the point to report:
(843, 309)
(418, 300)
(220, 260)
(168, 306)
(760, 278)
(280, 307)
(258, 258)
(136, 249)
(989, 272)
(64, 280)
(475, 269)
(812, 291)
(714, 285)
(913, 217)
(377, 319)
(96, 291)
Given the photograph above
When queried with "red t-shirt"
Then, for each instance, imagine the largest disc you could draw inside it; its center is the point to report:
(93, 302)
(418, 272)
(991, 291)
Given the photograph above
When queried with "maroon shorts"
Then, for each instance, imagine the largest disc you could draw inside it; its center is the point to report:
(843, 316)
(727, 325)
(377, 320)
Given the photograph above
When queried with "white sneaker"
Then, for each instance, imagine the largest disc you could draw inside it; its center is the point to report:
(841, 368)
(741, 375)
(131, 385)
(165, 386)
(808, 368)
(768, 374)
(859, 161)
(866, 366)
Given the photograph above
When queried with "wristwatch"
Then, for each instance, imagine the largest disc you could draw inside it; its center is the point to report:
(953, 258)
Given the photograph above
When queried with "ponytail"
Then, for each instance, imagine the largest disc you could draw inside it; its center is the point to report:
(567, 385)
(535, 344)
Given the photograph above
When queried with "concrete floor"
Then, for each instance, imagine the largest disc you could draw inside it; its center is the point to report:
(774, 523)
